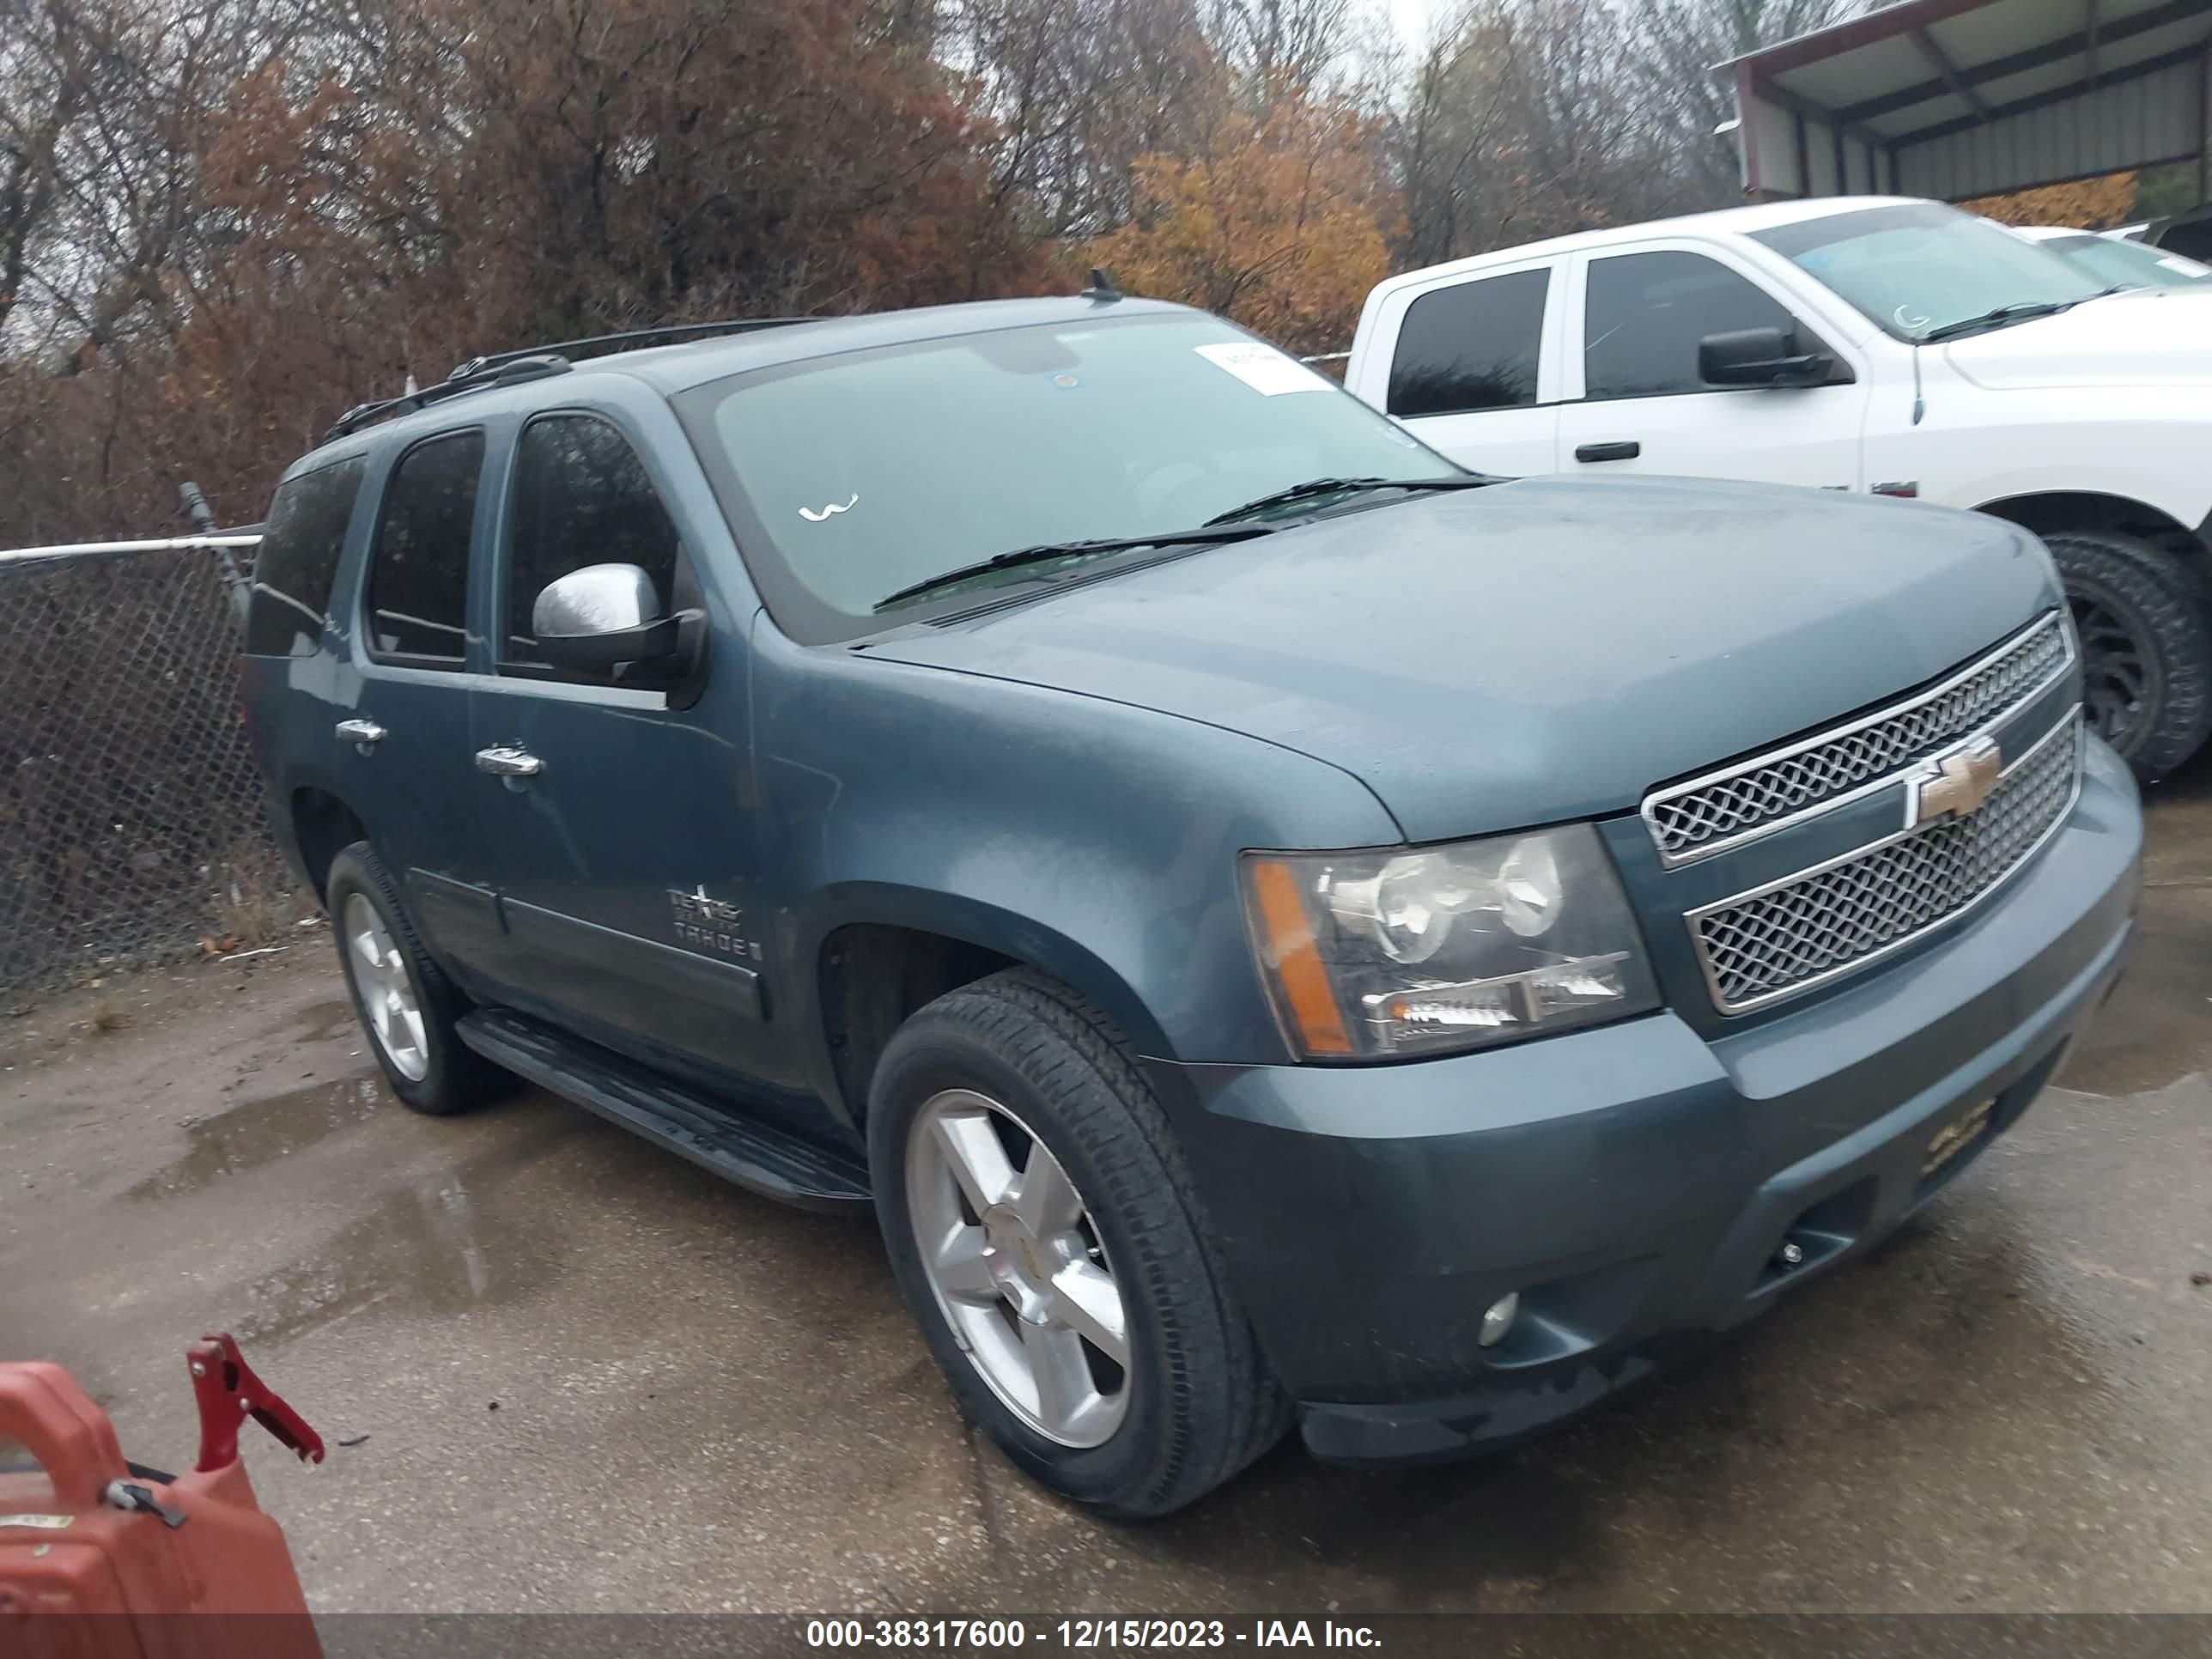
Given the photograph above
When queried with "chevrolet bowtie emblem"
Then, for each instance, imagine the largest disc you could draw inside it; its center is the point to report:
(1957, 785)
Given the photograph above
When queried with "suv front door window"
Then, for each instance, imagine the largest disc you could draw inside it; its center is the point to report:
(1644, 406)
(581, 497)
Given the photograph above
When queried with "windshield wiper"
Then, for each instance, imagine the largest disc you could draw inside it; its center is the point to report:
(1205, 535)
(1998, 316)
(1299, 492)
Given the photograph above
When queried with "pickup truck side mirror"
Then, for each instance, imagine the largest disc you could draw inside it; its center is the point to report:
(1759, 357)
(593, 620)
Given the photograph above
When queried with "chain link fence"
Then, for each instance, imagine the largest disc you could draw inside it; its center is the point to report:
(132, 829)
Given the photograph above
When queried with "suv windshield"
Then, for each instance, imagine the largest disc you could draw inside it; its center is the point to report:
(1920, 269)
(867, 473)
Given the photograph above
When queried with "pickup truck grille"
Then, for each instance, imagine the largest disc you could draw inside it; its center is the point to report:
(1811, 927)
(1706, 815)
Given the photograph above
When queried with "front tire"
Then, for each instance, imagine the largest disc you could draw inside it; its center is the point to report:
(406, 1005)
(1045, 1235)
(2146, 647)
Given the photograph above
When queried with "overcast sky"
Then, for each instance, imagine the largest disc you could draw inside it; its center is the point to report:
(1411, 17)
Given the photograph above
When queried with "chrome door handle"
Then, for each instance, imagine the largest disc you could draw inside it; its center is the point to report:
(509, 761)
(364, 734)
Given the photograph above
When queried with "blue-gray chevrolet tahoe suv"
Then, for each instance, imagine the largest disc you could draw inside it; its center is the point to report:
(1276, 927)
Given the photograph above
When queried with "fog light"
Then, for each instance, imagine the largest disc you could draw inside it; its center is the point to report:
(1497, 1319)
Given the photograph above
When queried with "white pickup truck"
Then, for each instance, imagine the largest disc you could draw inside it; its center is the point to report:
(1880, 344)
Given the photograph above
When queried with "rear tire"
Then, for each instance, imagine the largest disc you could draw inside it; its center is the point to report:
(2145, 645)
(405, 1004)
(1017, 1065)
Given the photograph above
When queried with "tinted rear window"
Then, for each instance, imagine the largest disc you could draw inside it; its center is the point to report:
(1471, 347)
(298, 559)
(418, 577)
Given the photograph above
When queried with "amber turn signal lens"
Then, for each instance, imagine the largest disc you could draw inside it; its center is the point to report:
(1298, 971)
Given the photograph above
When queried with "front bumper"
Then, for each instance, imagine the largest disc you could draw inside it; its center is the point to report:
(1635, 1183)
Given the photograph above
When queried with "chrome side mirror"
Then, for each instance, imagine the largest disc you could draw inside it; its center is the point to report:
(594, 619)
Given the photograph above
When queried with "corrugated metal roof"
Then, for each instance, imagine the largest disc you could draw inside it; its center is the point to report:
(1966, 97)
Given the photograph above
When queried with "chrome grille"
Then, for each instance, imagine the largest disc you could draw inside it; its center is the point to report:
(1698, 817)
(1789, 936)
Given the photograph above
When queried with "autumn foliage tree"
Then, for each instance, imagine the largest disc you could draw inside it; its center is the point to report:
(2085, 204)
(224, 222)
(381, 188)
(1274, 223)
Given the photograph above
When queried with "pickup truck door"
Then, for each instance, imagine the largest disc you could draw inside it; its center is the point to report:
(1635, 402)
(620, 821)
(1472, 365)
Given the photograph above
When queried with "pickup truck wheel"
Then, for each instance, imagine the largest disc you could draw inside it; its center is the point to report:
(1045, 1235)
(2146, 647)
(404, 1000)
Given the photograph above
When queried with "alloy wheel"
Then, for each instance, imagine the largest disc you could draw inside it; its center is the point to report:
(387, 990)
(1017, 1268)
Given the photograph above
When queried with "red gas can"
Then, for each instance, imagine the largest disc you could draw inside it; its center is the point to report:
(98, 1559)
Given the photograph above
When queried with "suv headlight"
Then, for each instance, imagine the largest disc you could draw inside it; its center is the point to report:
(1396, 951)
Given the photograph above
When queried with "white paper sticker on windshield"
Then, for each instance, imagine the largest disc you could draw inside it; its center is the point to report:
(1265, 370)
(2186, 267)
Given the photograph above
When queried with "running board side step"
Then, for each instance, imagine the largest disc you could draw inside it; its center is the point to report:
(757, 1156)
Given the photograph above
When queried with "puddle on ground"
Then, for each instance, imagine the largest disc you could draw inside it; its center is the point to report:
(432, 1247)
(260, 1132)
(321, 1019)
(2153, 1031)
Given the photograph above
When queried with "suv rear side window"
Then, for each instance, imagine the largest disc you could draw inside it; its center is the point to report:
(418, 575)
(581, 497)
(1644, 315)
(1471, 347)
(298, 559)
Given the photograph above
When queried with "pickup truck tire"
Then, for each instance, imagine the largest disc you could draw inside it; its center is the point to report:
(971, 1091)
(404, 1002)
(2145, 645)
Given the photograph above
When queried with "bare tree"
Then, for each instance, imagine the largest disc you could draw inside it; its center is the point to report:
(223, 220)
(1679, 43)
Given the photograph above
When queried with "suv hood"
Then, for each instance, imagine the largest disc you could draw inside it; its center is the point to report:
(2148, 336)
(1537, 650)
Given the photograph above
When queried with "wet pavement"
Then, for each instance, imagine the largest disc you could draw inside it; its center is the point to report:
(578, 1373)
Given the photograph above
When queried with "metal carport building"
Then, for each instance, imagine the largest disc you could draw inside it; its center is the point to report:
(1954, 98)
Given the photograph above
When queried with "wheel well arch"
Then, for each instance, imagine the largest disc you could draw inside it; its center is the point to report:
(870, 977)
(2052, 511)
(323, 826)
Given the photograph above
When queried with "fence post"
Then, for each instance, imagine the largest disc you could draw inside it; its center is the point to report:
(203, 517)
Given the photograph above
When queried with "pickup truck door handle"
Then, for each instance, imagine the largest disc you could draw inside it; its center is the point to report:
(1623, 451)
(509, 761)
(364, 735)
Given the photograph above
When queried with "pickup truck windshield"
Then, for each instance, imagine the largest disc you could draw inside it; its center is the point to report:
(870, 471)
(1920, 269)
(2129, 262)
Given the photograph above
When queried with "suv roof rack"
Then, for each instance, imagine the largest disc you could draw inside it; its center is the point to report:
(592, 344)
(535, 363)
(509, 373)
